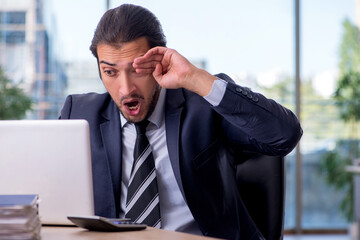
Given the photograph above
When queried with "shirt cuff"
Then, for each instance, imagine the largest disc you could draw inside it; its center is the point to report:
(217, 92)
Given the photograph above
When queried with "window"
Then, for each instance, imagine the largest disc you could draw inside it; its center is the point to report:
(12, 37)
(12, 17)
(321, 37)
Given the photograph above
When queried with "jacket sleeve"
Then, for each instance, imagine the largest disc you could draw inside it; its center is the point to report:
(261, 124)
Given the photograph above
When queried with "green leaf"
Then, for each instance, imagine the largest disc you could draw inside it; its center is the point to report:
(13, 101)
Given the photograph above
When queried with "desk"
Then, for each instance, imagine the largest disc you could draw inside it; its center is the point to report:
(75, 233)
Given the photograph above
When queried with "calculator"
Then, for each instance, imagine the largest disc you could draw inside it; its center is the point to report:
(97, 223)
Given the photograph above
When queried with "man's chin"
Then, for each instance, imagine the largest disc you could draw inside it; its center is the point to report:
(132, 119)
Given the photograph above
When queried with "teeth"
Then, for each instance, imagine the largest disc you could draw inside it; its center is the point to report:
(133, 105)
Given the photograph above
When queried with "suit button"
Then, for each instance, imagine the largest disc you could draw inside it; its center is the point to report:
(255, 99)
(245, 93)
(238, 89)
(249, 96)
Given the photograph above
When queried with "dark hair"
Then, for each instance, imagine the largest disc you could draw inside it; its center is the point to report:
(125, 24)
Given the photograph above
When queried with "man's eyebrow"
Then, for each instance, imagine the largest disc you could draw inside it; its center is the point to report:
(130, 64)
(107, 63)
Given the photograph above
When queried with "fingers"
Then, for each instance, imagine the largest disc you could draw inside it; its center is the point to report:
(160, 51)
(158, 72)
(155, 62)
(144, 70)
(147, 63)
(154, 54)
(147, 59)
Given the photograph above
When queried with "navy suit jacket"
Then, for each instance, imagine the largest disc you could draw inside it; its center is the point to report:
(204, 142)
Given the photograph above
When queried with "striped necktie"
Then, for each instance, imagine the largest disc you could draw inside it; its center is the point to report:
(142, 204)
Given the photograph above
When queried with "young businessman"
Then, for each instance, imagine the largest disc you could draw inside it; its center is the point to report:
(200, 126)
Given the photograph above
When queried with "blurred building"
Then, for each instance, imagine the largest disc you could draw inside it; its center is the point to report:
(26, 57)
(83, 77)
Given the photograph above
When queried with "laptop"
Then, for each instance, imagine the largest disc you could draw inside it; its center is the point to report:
(50, 158)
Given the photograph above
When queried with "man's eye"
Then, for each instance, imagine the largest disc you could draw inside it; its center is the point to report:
(109, 72)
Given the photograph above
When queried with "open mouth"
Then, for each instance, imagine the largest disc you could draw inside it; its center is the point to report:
(132, 105)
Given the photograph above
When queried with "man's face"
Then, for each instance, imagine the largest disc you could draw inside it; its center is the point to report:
(134, 94)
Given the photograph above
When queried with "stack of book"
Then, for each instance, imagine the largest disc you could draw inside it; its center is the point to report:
(19, 218)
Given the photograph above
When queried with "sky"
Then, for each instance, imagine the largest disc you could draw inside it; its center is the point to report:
(232, 36)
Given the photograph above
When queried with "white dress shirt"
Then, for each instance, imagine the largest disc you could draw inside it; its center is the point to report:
(175, 213)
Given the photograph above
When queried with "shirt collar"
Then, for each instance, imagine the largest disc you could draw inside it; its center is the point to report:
(158, 113)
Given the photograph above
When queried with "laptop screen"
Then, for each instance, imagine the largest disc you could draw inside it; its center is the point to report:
(50, 158)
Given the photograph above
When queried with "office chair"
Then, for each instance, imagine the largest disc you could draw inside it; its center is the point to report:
(261, 183)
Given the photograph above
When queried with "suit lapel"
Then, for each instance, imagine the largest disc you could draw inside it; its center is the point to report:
(111, 137)
(173, 109)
